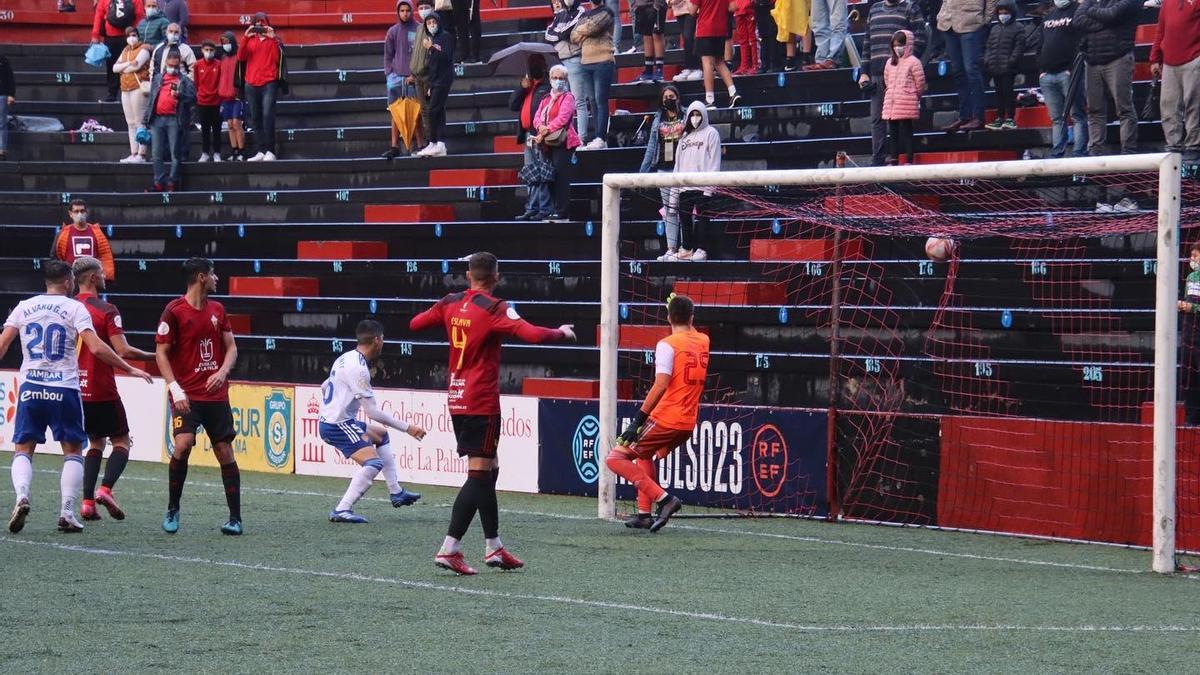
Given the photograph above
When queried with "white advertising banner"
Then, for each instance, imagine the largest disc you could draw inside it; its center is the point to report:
(433, 461)
(143, 407)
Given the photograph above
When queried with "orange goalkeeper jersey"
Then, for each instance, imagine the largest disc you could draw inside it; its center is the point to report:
(683, 356)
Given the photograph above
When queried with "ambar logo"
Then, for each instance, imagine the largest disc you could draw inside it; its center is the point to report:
(769, 459)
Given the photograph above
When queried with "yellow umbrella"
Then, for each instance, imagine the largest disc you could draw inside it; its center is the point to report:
(406, 115)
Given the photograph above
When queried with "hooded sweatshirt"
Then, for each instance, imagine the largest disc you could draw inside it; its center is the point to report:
(440, 59)
(229, 85)
(398, 45)
(1005, 43)
(700, 148)
(904, 83)
(558, 33)
(263, 57)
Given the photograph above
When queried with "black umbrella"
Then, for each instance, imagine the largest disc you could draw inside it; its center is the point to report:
(514, 60)
(1075, 84)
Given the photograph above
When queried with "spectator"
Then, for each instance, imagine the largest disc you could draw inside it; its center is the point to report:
(419, 66)
(231, 91)
(556, 140)
(792, 21)
(936, 49)
(685, 11)
(79, 238)
(173, 42)
(614, 7)
(468, 28)
(964, 24)
(525, 101)
(904, 84)
(1109, 26)
(712, 25)
(830, 25)
(1005, 45)
(168, 115)
(153, 29)
(8, 92)
(109, 22)
(593, 34)
(176, 12)
(207, 76)
(1189, 342)
(650, 19)
(665, 132)
(885, 19)
(699, 150)
(266, 77)
(397, 63)
(439, 46)
(566, 15)
(771, 51)
(134, 69)
(1056, 58)
(745, 34)
(1175, 56)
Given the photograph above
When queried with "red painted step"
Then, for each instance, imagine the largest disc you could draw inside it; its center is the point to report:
(733, 292)
(635, 336)
(471, 177)
(506, 144)
(1146, 33)
(1036, 117)
(283, 287)
(240, 323)
(881, 205)
(546, 387)
(1147, 416)
(967, 156)
(407, 213)
(803, 249)
(341, 250)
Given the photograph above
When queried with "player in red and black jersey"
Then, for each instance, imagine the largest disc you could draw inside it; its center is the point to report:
(196, 352)
(103, 413)
(476, 321)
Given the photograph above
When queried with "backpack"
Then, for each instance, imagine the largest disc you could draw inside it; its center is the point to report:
(120, 14)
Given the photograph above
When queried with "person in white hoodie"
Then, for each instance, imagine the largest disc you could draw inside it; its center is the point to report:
(699, 150)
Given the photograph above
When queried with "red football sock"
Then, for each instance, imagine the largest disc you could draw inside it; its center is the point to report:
(644, 503)
(624, 467)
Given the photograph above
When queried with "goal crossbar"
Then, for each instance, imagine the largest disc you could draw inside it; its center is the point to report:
(1166, 290)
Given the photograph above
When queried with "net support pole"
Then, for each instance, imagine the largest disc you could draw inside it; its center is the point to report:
(610, 287)
(1165, 361)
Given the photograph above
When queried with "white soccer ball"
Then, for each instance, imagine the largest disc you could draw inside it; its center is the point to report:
(939, 249)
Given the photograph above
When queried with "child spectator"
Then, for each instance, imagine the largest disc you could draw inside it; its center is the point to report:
(153, 29)
(883, 21)
(207, 77)
(439, 46)
(168, 114)
(771, 51)
(904, 83)
(230, 92)
(665, 133)
(712, 27)
(134, 69)
(1189, 340)
(1005, 45)
(1056, 58)
(79, 238)
(699, 150)
(745, 34)
(685, 11)
(649, 19)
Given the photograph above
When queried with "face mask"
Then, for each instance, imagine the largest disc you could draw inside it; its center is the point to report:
(694, 121)
(132, 40)
(1062, 4)
(81, 218)
(209, 54)
(424, 13)
(1005, 18)
(1194, 265)
(173, 38)
(433, 30)
(151, 12)
(172, 71)
(228, 48)
(671, 104)
(559, 85)
(899, 51)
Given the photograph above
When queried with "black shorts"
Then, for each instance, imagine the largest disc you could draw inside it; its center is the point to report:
(649, 20)
(215, 416)
(710, 46)
(478, 435)
(105, 419)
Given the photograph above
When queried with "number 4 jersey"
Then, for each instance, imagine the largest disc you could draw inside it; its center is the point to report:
(683, 356)
(49, 326)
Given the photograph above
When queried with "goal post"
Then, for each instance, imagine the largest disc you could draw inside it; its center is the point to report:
(1167, 166)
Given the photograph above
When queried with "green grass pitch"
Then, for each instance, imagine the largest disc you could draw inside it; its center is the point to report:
(298, 593)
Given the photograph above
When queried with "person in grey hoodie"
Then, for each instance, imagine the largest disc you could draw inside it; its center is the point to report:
(699, 150)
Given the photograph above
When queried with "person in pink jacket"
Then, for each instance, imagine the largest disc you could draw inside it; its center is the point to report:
(555, 114)
(904, 82)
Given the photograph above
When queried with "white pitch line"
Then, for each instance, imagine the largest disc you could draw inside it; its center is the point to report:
(607, 604)
(715, 530)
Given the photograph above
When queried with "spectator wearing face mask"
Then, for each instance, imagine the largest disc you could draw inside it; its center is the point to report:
(168, 114)
(558, 34)
(699, 150)
(109, 22)
(665, 133)
(419, 66)
(79, 238)
(134, 69)
(207, 77)
(904, 82)
(1056, 58)
(266, 78)
(883, 21)
(231, 92)
(173, 43)
(555, 141)
(525, 101)
(593, 33)
(153, 29)
(397, 63)
(176, 11)
(1005, 45)
(439, 58)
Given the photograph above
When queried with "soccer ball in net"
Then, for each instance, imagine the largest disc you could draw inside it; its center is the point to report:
(939, 249)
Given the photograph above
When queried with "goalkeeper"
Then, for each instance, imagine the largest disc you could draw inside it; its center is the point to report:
(667, 418)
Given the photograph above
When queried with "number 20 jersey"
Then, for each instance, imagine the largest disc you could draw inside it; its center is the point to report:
(49, 327)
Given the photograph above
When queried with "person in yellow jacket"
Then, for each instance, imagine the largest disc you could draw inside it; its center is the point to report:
(792, 17)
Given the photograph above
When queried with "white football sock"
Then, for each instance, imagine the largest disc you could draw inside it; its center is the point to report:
(732, 91)
(493, 544)
(709, 97)
(449, 545)
(71, 483)
(358, 487)
(389, 467)
(22, 474)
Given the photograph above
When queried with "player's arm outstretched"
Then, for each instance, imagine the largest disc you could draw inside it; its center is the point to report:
(107, 355)
(507, 321)
(372, 411)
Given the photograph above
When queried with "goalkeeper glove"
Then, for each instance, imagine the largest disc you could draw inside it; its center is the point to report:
(634, 431)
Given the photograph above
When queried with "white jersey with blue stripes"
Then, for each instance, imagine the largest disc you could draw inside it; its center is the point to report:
(49, 327)
(348, 384)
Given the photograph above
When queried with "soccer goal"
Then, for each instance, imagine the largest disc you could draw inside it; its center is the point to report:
(990, 346)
